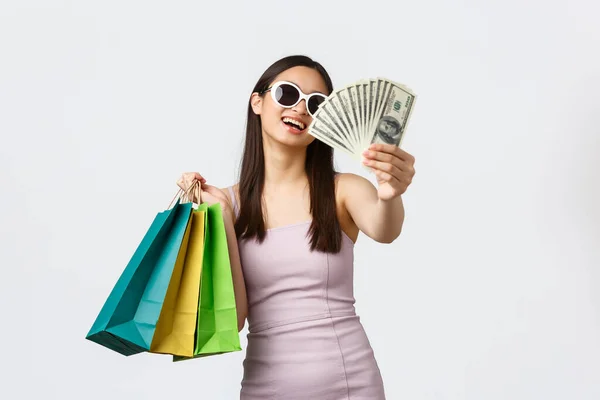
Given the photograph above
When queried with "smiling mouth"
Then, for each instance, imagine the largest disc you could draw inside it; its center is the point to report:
(297, 125)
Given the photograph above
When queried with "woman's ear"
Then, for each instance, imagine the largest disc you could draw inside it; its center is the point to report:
(256, 103)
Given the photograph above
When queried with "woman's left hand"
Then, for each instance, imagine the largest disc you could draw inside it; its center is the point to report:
(393, 167)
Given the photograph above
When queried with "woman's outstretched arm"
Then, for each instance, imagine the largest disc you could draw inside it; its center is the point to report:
(379, 211)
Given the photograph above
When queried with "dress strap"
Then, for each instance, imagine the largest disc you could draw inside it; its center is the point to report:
(233, 201)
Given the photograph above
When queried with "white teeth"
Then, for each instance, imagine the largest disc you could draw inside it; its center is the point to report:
(293, 121)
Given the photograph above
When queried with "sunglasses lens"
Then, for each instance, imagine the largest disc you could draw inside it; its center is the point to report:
(286, 95)
(313, 103)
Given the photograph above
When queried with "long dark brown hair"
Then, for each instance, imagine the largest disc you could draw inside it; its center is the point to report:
(325, 231)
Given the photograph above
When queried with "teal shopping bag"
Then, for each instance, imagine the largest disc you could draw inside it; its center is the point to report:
(127, 321)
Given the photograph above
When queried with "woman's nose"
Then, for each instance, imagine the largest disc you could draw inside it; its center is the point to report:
(300, 108)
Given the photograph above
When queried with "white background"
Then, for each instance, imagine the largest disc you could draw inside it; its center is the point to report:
(492, 290)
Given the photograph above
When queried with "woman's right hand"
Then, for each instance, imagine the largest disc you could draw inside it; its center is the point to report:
(208, 194)
(186, 181)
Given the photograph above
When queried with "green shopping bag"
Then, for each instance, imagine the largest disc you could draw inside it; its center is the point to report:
(217, 329)
(127, 321)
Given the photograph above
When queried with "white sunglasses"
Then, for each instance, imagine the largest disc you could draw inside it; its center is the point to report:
(287, 95)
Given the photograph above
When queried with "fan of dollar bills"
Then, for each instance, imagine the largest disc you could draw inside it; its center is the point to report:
(365, 112)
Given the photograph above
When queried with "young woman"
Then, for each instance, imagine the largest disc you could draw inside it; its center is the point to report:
(292, 222)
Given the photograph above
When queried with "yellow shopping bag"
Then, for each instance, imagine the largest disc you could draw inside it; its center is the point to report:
(176, 328)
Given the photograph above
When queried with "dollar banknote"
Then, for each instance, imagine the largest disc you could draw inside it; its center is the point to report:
(364, 112)
(391, 120)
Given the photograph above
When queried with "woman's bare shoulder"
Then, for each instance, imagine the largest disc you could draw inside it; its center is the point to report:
(227, 190)
(346, 182)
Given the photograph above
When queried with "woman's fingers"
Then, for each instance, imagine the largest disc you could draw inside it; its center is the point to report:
(198, 177)
(195, 187)
(187, 179)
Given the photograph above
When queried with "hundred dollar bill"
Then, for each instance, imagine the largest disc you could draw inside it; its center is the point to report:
(393, 117)
(322, 132)
(348, 114)
(328, 131)
(376, 97)
(336, 106)
(333, 126)
(382, 92)
(370, 101)
(362, 103)
(351, 103)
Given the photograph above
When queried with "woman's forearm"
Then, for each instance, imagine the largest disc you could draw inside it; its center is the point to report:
(388, 219)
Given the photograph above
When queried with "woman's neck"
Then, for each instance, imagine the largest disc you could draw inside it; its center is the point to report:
(284, 165)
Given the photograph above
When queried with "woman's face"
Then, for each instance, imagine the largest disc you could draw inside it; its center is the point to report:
(273, 115)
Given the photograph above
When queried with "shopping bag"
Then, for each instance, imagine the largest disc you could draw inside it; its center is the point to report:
(217, 329)
(127, 321)
(176, 327)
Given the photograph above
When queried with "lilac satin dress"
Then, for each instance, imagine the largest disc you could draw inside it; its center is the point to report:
(305, 340)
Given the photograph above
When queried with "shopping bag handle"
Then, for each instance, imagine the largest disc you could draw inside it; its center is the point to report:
(185, 195)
